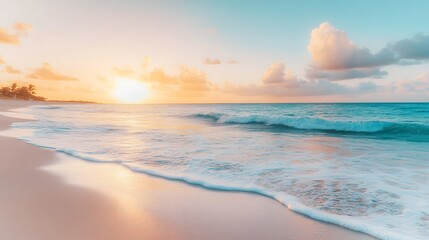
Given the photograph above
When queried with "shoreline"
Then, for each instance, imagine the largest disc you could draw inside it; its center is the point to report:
(47, 195)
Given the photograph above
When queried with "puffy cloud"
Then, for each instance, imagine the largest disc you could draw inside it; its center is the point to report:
(331, 49)
(416, 48)
(124, 71)
(20, 29)
(11, 70)
(336, 57)
(278, 73)
(45, 72)
(210, 61)
(1, 61)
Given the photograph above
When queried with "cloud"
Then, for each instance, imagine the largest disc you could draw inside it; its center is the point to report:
(232, 62)
(214, 61)
(158, 76)
(281, 82)
(278, 73)
(23, 28)
(336, 57)
(19, 30)
(7, 38)
(188, 81)
(300, 88)
(11, 70)
(1, 61)
(194, 80)
(335, 75)
(416, 48)
(331, 49)
(124, 71)
(45, 72)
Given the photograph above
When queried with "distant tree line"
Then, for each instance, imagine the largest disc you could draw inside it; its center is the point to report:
(21, 92)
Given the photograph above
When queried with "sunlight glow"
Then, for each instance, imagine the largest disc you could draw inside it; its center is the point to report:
(130, 90)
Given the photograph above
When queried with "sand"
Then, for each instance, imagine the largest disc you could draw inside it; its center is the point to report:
(46, 195)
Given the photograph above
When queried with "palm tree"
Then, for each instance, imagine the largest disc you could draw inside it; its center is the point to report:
(13, 89)
(22, 92)
(32, 89)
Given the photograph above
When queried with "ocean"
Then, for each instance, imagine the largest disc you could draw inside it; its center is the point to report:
(364, 166)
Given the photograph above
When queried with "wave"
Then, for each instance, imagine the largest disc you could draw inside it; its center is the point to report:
(307, 123)
(288, 201)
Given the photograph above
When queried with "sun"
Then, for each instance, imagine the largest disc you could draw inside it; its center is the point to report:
(130, 90)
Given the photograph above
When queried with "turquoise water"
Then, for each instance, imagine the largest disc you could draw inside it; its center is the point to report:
(361, 166)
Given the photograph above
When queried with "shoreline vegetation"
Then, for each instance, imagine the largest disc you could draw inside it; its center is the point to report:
(28, 93)
(14, 91)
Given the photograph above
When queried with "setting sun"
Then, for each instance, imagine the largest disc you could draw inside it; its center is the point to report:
(130, 91)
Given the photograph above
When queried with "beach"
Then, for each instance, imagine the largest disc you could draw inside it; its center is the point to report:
(47, 195)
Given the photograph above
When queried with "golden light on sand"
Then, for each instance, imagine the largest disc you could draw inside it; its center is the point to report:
(130, 90)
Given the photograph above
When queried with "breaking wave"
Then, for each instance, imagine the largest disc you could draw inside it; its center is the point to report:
(320, 124)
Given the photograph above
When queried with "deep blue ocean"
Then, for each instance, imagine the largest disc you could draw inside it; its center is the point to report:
(362, 166)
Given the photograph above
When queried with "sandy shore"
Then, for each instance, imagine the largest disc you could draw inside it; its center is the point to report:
(46, 195)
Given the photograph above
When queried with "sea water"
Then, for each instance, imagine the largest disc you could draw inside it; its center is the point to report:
(361, 166)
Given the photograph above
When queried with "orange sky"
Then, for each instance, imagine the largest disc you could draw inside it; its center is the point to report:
(165, 52)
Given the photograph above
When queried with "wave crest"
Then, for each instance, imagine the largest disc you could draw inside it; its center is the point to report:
(308, 123)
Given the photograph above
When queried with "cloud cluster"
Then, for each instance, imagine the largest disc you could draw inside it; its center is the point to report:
(13, 37)
(280, 81)
(45, 72)
(188, 82)
(336, 57)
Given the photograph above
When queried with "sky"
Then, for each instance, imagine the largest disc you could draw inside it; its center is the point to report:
(217, 51)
